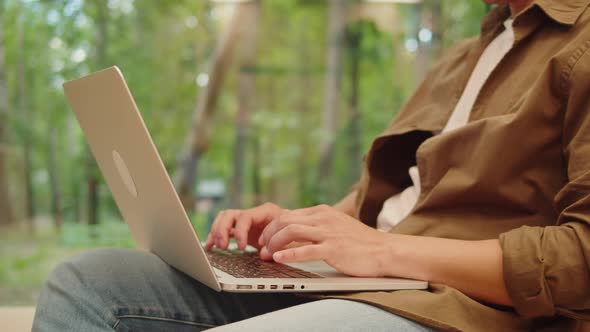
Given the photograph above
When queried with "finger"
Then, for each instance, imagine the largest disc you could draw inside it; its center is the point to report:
(283, 221)
(261, 214)
(243, 225)
(292, 233)
(261, 240)
(312, 252)
(223, 227)
(211, 237)
(265, 255)
(209, 241)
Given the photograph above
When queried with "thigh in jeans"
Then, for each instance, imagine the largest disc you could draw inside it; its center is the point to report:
(124, 290)
(327, 316)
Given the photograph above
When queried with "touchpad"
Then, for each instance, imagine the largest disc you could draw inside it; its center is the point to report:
(124, 174)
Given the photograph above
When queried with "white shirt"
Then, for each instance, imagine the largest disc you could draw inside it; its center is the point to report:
(399, 206)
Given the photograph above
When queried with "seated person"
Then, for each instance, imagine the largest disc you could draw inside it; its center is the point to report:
(480, 185)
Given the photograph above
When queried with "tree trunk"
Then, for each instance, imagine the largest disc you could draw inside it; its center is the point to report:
(256, 167)
(74, 180)
(54, 183)
(92, 172)
(354, 38)
(246, 91)
(332, 94)
(436, 25)
(307, 194)
(198, 138)
(6, 211)
(25, 118)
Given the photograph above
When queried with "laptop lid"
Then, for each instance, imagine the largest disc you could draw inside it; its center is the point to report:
(134, 172)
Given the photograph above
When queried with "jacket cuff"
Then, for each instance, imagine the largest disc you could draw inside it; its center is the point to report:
(524, 272)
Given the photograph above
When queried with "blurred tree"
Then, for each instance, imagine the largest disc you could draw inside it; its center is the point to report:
(54, 179)
(354, 38)
(245, 99)
(460, 19)
(429, 35)
(198, 137)
(101, 21)
(305, 105)
(332, 93)
(25, 116)
(6, 212)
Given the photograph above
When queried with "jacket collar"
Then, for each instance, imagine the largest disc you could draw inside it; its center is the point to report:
(566, 12)
(563, 11)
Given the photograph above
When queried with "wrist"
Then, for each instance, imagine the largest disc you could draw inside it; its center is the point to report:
(401, 259)
(389, 256)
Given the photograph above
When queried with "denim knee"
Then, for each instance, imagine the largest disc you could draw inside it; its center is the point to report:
(104, 267)
(86, 288)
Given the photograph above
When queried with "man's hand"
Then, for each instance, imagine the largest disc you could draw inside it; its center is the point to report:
(343, 242)
(244, 225)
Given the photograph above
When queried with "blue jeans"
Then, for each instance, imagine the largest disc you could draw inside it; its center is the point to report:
(133, 290)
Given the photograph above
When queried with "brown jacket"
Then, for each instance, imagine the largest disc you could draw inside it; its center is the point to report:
(519, 171)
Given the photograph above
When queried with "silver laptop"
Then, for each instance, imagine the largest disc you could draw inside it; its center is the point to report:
(144, 193)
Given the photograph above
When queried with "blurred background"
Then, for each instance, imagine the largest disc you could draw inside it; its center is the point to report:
(247, 102)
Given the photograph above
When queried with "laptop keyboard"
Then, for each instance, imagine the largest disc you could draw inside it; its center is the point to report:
(242, 264)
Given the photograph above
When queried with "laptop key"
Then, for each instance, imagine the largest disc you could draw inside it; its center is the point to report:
(248, 265)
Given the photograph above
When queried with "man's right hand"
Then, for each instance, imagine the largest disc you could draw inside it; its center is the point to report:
(245, 226)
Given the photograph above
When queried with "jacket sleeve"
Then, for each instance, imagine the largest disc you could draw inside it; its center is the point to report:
(547, 269)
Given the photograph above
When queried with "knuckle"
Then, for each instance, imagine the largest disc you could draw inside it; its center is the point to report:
(218, 217)
(280, 221)
(269, 205)
(272, 244)
(292, 229)
(283, 223)
(327, 250)
(243, 218)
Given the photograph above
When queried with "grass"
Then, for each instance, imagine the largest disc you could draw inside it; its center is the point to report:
(26, 259)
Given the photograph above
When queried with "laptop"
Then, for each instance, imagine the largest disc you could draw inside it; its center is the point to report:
(149, 204)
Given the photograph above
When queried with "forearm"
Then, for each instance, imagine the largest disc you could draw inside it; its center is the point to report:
(472, 267)
(348, 204)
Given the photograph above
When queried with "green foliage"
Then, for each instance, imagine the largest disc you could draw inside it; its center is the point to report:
(461, 19)
(162, 47)
(25, 261)
(105, 234)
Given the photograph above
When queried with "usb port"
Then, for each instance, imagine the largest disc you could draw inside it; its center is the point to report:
(244, 286)
(260, 287)
(288, 286)
(273, 286)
